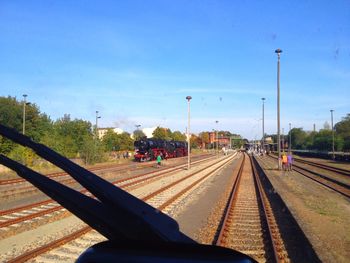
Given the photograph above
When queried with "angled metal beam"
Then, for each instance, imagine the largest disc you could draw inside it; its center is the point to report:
(147, 222)
(77, 203)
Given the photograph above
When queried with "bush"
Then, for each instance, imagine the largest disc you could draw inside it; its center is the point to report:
(23, 155)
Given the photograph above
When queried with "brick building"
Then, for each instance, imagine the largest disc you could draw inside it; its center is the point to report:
(222, 139)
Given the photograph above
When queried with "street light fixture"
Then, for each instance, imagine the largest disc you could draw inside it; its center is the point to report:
(97, 117)
(188, 98)
(283, 140)
(263, 127)
(137, 126)
(290, 138)
(278, 52)
(333, 156)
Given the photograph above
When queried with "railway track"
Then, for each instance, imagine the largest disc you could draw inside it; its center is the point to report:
(19, 219)
(324, 175)
(164, 198)
(20, 187)
(249, 225)
(324, 166)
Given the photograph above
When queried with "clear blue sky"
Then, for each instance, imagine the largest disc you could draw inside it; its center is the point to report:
(136, 61)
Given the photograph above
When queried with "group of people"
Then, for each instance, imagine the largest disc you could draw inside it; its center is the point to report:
(118, 155)
(161, 157)
(287, 161)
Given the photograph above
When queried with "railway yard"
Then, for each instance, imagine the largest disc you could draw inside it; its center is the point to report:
(237, 200)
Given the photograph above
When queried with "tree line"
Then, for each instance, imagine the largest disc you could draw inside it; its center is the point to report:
(73, 138)
(77, 138)
(321, 140)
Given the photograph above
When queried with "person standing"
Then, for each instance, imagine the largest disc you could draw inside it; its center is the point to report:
(290, 161)
(284, 162)
(159, 160)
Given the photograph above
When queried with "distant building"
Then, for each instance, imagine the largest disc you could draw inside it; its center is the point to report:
(149, 131)
(223, 139)
(102, 131)
(268, 140)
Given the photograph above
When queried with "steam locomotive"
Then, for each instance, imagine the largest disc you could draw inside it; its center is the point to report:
(148, 149)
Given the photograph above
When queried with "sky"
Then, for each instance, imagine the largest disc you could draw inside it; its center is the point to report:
(136, 61)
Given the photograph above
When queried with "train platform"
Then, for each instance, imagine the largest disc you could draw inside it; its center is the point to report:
(322, 214)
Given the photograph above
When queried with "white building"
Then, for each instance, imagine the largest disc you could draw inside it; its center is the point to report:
(102, 131)
(149, 131)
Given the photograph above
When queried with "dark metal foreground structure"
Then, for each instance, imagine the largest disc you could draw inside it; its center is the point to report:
(137, 232)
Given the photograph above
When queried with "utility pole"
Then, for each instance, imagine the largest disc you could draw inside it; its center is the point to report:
(283, 140)
(24, 113)
(333, 155)
(217, 140)
(188, 98)
(97, 117)
(290, 138)
(263, 128)
(278, 52)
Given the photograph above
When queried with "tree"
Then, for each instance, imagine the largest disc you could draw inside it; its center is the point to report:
(298, 138)
(162, 133)
(23, 155)
(92, 151)
(178, 136)
(111, 141)
(204, 137)
(323, 140)
(69, 136)
(126, 142)
(117, 142)
(342, 129)
(138, 134)
(11, 115)
(195, 141)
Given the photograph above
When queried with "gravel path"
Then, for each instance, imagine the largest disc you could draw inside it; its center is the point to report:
(323, 215)
(15, 245)
(194, 215)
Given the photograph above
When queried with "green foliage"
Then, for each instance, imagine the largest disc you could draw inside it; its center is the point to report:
(92, 151)
(162, 133)
(68, 136)
(138, 134)
(117, 142)
(298, 138)
(11, 115)
(342, 129)
(6, 145)
(178, 136)
(195, 141)
(204, 136)
(126, 142)
(111, 141)
(23, 155)
(323, 140)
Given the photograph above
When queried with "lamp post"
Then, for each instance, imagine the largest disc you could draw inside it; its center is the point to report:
(333, 156)
(24, 113)
(283, 140)
(213, 145)
(290, 139)
(97, 117)
(263, 126)
(137, 126)
(188, 98)
(278, 52)
(217, 140)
